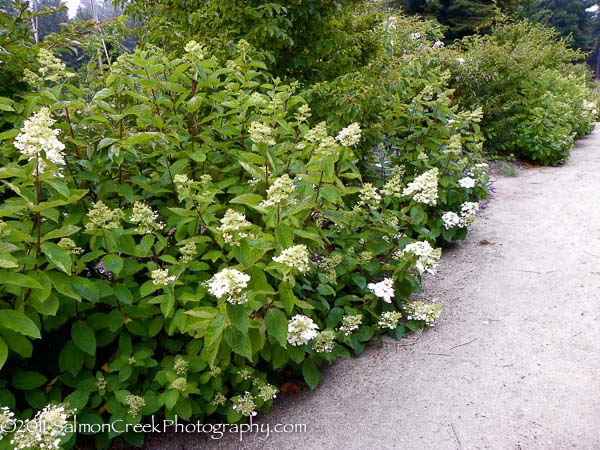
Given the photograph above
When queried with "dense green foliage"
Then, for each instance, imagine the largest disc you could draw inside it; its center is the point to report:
(229, 215)
(535, 101)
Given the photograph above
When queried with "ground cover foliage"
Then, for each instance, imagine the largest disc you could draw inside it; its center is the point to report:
(188, 227)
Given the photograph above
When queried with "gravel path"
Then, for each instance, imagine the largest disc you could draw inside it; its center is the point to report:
(513, 363)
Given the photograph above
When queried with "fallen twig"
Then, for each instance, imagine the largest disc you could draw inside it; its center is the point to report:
(437, 354)
(461, 345)
(456, 436)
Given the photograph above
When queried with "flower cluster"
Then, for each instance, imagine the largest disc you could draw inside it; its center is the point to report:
(161, 277)
(188, 252)
(282, 190)
(369, 197)
(101, 383)
(428, 313)
(326, 145)
(350, 323)
(350, 135)
(296, 257)
(424, 188)
(267, 392)
(393, 185)
(101, 217)
(329, 264)
(180, 384)
(468, 211)
(233, 227)
(427, 256)
(384, 289)
(38, 140)
(261, 133)
(218, 400)
(194, 50)
(245, 405)
(180, 366)
(135, 404)
(231, 283)
(324, 342)
(7, 421)
(301, 330)
(451, 220)
(466, 182)
(70, 246)
(389, 319)
(44, 430)
(146, 218)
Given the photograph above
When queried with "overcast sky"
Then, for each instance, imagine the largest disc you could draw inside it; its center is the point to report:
(72, 4)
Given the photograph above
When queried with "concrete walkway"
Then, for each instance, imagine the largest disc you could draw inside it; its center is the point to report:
(514, 362)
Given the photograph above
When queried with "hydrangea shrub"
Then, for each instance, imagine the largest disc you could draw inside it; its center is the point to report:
(180, 240)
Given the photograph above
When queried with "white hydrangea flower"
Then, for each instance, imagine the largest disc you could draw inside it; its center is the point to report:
(461, 61)
(44, 430)
(296, 257)
(281, 191)
(466, 182)
(194, 49)
(218, 400)
(267, 392)
(146, 218)
(180, 384)
(7, 421)
(393, 185)
(51, 67)
(188, 252)
(384, 289)
(324, 342)
(260, 132)
(389, 319)
(415, 36)
(245, 405)
(451, 220)
(427, 256)
(468, 211)
(438, 44)
(70, 246)
(233, 227)
(350, 323)
(418, 310)
(101, 217)
(161, 277)
(231, 283)
(301, 330)
(350, 135)
(369, 197)
(135, 404)
(424, 188)
(39, 141)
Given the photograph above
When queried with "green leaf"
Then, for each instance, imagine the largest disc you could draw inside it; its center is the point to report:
(276, 323)
(113, 263)
(311, 373)
(247, 199)
(58, 256)
(70, 358)
(19, 322)
(8, 261)
(285, 236)
(417, 215)
(84, 337)
(3, 352)
(26, 380)
(19, 279)
(86, 288)
(61, 232)
(239, 342)
(238, 316)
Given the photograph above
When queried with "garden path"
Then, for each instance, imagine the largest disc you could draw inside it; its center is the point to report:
(514, 361)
